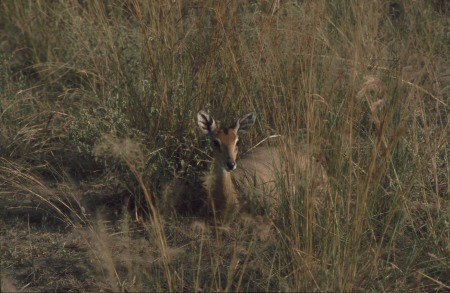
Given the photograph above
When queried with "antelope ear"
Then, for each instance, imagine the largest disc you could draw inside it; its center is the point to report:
(205, 122)
(244, 124)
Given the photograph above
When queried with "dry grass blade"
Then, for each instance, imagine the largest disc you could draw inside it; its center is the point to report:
(101, 160)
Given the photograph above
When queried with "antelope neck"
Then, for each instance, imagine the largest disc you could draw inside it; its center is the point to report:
(223, 186)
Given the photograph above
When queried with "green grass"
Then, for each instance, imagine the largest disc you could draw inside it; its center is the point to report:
(101, 160)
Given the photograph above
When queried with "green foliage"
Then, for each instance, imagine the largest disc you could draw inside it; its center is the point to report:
(86, 130)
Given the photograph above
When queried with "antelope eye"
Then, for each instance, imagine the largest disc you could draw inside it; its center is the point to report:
(216, 144)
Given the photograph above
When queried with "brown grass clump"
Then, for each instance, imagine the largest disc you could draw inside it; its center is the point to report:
(100, 159)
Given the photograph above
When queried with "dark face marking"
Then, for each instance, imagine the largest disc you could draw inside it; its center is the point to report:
(227, 137)
(227, 152)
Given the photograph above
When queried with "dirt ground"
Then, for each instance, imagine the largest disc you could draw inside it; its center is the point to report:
(39, 251)
(42, 252)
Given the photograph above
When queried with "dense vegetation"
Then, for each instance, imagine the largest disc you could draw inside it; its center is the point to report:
(100, 158)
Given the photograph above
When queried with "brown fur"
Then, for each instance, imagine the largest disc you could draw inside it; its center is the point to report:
(257, 171)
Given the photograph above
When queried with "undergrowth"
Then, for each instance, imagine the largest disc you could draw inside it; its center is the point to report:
(97, 129)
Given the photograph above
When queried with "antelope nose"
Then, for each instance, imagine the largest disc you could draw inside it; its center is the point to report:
(231, 165)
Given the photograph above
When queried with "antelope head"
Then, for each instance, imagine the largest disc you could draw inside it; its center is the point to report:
(223, 140)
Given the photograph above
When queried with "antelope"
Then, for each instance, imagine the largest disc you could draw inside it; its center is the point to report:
(257, 169)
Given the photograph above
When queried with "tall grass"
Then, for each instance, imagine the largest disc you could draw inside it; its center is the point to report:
(100, 98)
